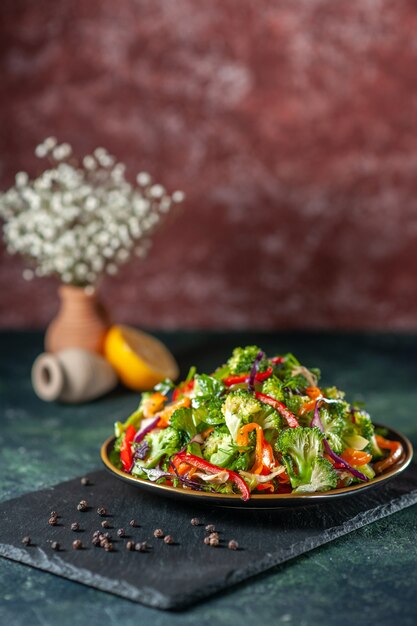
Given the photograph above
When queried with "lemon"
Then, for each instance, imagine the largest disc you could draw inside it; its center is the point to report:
(140, 360)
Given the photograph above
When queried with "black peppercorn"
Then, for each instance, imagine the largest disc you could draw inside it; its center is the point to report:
(103, 542)
(130, 545)
(26, 541)
(83, 505)
(132, 523)
(75, 526)
(169, 539)
(105, 535)
(207, 540)
(102, 511)
(213, 540)
(84, 481)
(158, 533)
(95, 541)
(77, 544)
(195, 521)
(53, 514)
(105, 524)
(121, 532)
(55, 545)
(52, 521)
(108, 547)
(214, 536)
(96, 533)
(233, 544)
(141, 546)
(210, 528)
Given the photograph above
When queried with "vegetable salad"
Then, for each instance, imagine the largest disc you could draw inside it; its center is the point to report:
(257, 424)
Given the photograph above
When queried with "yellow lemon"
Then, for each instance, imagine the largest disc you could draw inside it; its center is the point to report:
(140, 360)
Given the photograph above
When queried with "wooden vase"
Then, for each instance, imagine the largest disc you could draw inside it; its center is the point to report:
(81, 322)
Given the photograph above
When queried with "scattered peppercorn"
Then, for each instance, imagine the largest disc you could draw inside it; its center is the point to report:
(210, 528)
(213, 540)
(132, 523)
(142, 546)
(105, 535)
(84, 481)
(207, 540)
(233, 544)
(214, 536)
(55, 545)
(158, 533)
(102, 511)
(108, 547)
(75, 526)
(96, 533)
(26, 541)
(53, 514)
(121, 532)
(95, 541)
(77, 544)
(130, 545)
(83, 505)
(195, 521)
(105, 524)
(52, 521)
(103, 542)
(169, 539)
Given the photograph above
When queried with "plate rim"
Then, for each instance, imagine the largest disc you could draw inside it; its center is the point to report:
(396, 469)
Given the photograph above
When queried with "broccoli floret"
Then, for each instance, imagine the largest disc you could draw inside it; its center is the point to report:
(273, 387)
(364, 427)
(209, 411)
(334, 423)
(299, 448)
(242, 360)
(162, 443)
(240, 407)
(294, 402)
(323, 477)
(219, 448)
(334, 393)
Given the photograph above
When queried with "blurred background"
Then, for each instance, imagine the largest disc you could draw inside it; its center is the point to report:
(291, 127)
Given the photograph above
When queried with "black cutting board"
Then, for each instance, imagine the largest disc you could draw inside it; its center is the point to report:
(174, 576)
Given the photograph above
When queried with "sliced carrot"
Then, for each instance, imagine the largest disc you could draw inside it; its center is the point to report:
(170, 409)
(395, 453)
(308, 406)
(313, 392)
(356, 457)
(153, 404)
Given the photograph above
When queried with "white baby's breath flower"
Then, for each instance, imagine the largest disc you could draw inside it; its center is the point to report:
(157, 191)
(89, 162)
(41, 151)
(112, 269)
(143, 179)
(50, 143)
(81, 221)
(178, 196)
(21, 179)
(28, 274)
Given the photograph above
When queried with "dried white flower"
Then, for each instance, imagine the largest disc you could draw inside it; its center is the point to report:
(81, 221)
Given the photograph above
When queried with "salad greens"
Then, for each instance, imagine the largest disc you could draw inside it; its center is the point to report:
(256, 424)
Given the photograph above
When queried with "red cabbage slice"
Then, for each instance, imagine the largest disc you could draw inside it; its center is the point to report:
(141, 433)
(254, 371)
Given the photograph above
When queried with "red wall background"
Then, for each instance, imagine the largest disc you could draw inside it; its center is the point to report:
(291, 126)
